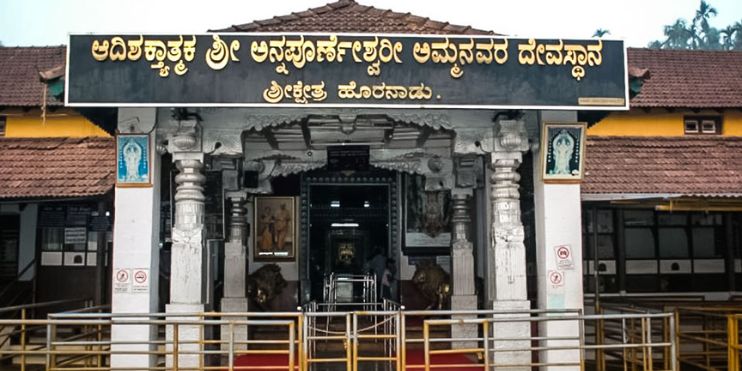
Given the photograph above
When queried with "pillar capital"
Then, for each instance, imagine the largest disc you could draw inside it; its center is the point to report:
(186, 141)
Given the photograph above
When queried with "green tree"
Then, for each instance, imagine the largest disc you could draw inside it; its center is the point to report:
(727, 37)
(699, 34)
(704, 12)
(679, 35)
(737, 44)
(600, 32)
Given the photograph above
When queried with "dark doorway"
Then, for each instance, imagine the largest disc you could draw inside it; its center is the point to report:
(347, 223)
(9, 241)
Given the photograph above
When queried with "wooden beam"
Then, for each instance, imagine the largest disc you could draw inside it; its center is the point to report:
(270, 138)
(306, 134)
(389, 135)
(424, 135)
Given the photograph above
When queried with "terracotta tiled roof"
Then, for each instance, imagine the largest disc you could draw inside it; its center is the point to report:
(693, 166)
(20, 83)
(349, 16)
(688, 78)
(56, 167)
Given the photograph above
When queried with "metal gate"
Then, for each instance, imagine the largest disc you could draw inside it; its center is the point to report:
(360, 340)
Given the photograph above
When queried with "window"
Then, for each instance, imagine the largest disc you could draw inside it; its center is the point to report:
(707, 125)
(67, 236)
(2, 126)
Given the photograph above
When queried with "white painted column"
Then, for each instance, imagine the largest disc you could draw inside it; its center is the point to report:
(558, 226)
(136, 251)
(509, 252)
(235, 270)
(187, 263)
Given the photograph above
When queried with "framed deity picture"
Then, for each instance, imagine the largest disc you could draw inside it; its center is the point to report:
(133, 165)
(274, 228)
(563, 152)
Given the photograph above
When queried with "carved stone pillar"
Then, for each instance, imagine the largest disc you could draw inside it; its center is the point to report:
(507, 232)
(187, 262)
(462, 254)
(507, 254)
(462, 267)
(235, 270)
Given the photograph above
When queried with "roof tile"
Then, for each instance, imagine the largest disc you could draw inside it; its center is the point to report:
(688, 78)
(56, 167)
(351, 17)
(20, 83)
(693, 165)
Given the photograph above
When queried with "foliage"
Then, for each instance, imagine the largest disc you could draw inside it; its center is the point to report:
(699, 34)
(600, 32)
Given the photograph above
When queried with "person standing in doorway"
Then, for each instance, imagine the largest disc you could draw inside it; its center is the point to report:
(376, 266)
(388, 282)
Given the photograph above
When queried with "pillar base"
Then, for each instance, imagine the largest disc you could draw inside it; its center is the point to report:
(508, 331)
(191, 334)
(234, 305)
(464, 302)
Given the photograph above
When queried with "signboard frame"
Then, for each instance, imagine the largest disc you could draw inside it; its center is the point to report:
(591, 103)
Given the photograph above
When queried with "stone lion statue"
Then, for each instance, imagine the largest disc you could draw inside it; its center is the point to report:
(433, 283)
(265, 284)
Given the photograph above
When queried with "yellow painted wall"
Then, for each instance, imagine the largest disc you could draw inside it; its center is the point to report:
(660, 122)
(60, 123)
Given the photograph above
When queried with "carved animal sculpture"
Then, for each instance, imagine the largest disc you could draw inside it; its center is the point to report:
(265, 284)
(434, 283)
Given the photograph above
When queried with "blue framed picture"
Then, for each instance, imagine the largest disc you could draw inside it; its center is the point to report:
(133, 160)
(563, 151)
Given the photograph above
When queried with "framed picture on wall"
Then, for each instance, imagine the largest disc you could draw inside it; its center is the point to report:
(274, 228)
(133, 165)
(563, 154)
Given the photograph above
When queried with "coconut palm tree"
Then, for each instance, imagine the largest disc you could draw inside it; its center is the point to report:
(737, 36)
(679, 35)
(727, 37)
(704, 12)
(600, 32)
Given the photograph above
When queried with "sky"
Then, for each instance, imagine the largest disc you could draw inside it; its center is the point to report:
(638, 22)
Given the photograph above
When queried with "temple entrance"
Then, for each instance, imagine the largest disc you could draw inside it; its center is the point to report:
(348, 226)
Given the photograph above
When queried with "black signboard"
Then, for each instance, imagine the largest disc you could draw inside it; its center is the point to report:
(52, 216)
(341, 70)
(340, 158)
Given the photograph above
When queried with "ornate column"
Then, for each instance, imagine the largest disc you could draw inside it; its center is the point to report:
(507, 254)
(462, 254)
(187, 262)
(235, 269)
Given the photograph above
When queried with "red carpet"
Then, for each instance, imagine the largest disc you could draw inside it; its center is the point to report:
(255, 362)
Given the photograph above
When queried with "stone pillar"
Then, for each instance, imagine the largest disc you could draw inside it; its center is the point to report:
(558, 225)
(462, 264)
(235, 270)
(187, 262)
(136, 251)
(508, 255)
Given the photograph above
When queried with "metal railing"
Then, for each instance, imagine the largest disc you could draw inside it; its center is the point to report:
(19, 327)
(387, 338)
(708, 337)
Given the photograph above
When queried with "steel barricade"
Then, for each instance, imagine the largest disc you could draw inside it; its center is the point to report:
(386, 339)
(708, 338)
